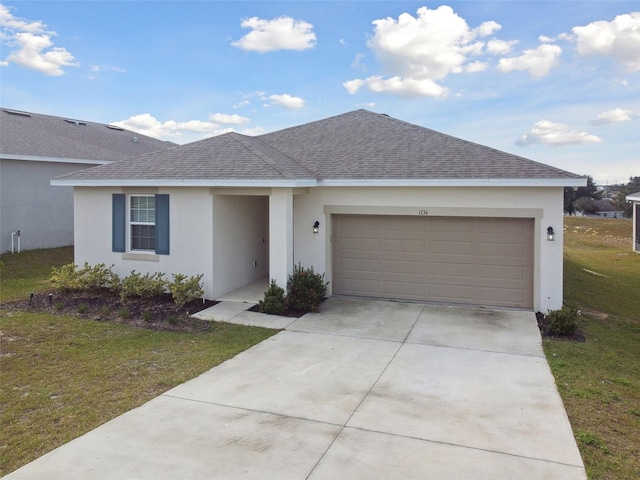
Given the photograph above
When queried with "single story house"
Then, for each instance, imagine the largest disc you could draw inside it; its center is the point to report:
(635, 199)
(34, 148)
(384, 208)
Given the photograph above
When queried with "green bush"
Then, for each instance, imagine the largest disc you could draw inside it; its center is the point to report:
(305, 289)
(274, 302)
(69, 277)
(562, 322)
(65, 278)
(185, 289)
(149, 285)
(97, 277)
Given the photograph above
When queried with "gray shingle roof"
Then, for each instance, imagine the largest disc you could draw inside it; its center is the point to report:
(363, 144)
(359, 145)
(35, 135)
(228, 156)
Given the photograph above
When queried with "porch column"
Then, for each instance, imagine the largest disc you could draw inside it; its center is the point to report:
(280, 235)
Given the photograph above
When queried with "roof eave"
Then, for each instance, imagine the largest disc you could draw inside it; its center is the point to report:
(184, 183)
(36, 158)
(309, 182)
(457, 182)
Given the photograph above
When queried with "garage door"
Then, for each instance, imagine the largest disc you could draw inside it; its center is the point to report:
(468, 260)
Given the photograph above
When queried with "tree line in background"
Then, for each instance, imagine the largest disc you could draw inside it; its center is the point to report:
(592, 199)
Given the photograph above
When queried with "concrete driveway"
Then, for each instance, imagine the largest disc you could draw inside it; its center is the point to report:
(365, 389)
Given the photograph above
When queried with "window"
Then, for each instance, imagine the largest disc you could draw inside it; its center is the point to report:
(142, 222)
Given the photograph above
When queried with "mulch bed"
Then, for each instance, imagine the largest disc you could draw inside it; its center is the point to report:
(543, 325)
(158, 313)
(287, 313)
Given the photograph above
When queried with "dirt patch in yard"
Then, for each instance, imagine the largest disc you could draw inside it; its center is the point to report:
(158, 313)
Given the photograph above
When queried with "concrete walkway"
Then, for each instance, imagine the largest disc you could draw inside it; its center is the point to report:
(363, 390)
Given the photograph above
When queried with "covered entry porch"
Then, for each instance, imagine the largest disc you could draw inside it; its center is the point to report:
(252, 240)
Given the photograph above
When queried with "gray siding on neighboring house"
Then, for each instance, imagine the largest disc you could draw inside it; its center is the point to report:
(35, 148)
(43, 214)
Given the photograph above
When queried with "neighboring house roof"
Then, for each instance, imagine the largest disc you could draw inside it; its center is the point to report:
(356, 148)
(32, 136)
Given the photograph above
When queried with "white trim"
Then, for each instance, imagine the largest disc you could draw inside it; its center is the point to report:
(185, 183)
(425, 182)
(35, 158)
(633, 198)
(457, 182)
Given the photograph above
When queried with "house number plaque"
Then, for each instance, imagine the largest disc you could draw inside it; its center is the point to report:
(423, 212)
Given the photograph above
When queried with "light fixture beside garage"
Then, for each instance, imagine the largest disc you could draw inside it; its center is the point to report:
(551, 235)
(316, 227)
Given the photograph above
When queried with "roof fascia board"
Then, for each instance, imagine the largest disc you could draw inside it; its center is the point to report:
(633, 197)
(35, 158)
(211, 183)
(457, 182)
(485, 182)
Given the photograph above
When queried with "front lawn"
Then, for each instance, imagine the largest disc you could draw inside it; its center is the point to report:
(63, 375)
(599, 380)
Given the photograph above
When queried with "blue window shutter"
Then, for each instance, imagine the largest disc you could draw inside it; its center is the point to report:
(118, 222)
(162, 224)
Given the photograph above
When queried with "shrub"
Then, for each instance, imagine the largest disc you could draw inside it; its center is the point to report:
(83, 308)
(97, 277)
(149, 285)
(185, 289)
(562, 322)
(70, 278)
(65, 278)
(124, 313)
(274, 302)
(305, 289)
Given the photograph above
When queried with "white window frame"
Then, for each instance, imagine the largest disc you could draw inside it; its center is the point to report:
(131, 223)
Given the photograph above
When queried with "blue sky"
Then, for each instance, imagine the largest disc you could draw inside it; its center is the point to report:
(556, 82)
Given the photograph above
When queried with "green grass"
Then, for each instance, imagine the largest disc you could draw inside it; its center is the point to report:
(29, 271)
(599, 380)
(63, 376)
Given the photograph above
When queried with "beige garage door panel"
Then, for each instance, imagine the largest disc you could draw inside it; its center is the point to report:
(468, 260)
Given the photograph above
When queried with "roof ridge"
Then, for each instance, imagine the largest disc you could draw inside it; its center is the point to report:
(277, 166)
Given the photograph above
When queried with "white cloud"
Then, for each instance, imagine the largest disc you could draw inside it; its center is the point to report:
(549, 133)
(283, 33)
(619, 38)
(500, 47)
(146, 124)
(352, 86)
(616, 115)
(538, 62)
(240, 104)
(419, 52)
(475, 67)
(95, 70)
(287, 101)
(228, 119)
(253, 131)
(31, 45)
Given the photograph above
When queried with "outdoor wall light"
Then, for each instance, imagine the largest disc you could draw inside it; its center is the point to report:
(316, 227)
(551, 235)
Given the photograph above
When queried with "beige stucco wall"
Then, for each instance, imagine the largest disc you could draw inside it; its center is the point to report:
(241, 241)
(191, 213)
(222, 236)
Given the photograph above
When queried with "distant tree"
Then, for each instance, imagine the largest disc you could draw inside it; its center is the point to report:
(621, 201)
(585, 205)
(572, 194)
